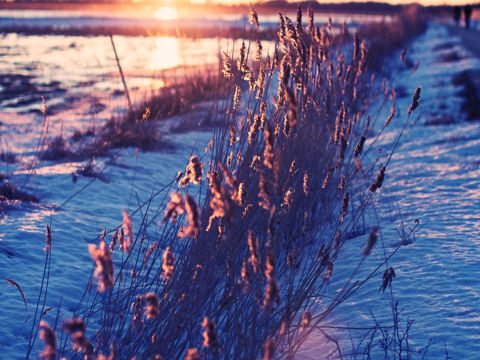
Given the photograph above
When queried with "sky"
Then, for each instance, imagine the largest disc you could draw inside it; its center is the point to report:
(423, 2)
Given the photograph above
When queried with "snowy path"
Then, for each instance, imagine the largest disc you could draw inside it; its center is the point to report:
(435, 177)
(469, 37)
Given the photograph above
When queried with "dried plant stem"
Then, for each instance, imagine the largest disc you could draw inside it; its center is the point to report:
(120, 70)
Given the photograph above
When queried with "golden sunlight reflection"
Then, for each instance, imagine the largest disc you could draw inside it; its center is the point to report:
(166, 54)
(167, 13)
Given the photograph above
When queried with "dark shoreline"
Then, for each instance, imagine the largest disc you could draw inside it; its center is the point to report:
(187, 32)
(265, 8)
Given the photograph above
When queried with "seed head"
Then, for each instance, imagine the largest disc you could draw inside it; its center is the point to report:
(210, 335)
(390, 116)
(47, 335)
(43, 107)
(237, 97)
(103, 265)
(174, 206)
(306, 184)
(326, 179)
(268, 349)
(343, 183)
(253, 17)
(150, 251)
(328, 270)
(254, 127)
(388, 276)
(359, 147)
(282, 31)
(48, 236)
(264, 193)
(299, 20)
(193, 172)
(126, 244)
(356, 47)
(227, 66)
(240, 194)
(272, 293)
(180, 205)
(151, 307)
(306, 319)
(377, 184)
(168, 264)
(253, 245)
(260, 84)
(344, 210)
(340, 120)
(311, 21)
(193, 354)
(268, 154)
(76, 329)
(415, 100)
(403, 54)
(258, 54)
(288, 199)
(372, 240)
(193, 217)
(232, 138)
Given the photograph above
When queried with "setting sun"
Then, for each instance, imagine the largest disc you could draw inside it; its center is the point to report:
(167, 13)
(166, 54)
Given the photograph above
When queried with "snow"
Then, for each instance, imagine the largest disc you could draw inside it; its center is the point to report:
(434, 176)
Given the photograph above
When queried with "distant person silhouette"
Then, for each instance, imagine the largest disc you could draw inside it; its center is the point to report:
(457, 14)
(468, 15)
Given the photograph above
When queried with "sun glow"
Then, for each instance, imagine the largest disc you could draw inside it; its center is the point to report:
(166, 54)
(167, 13)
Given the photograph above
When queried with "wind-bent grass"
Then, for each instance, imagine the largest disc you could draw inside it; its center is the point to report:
(253, 229)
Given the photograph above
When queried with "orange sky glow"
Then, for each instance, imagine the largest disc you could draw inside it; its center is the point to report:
(423, 2)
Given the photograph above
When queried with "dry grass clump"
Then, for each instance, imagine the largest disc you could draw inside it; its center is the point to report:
(117, 134)
(384, 38)
(10, 194)
(56, 149)
(180, 97)
(8, 157)
(252, 231)
(114, 134)
(90, 170)
(192, 32)
(469, 93)
(139, 128)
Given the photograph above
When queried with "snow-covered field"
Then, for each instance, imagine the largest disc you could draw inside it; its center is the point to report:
(434, 177)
